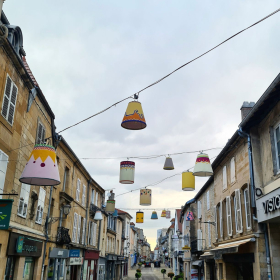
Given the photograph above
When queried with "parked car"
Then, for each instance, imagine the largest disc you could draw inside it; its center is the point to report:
(147, 264)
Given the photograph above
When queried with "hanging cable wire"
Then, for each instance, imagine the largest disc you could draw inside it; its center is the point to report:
(149, 209)
(161, 79)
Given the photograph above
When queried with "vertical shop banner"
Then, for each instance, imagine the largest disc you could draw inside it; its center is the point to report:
(194, 274)
(5, 212)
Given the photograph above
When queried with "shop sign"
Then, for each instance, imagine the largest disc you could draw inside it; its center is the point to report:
(74, 253)
(58, 253)
(121, 258)
(5, 212)
(194, 274)
(76, 261)
(22, 245)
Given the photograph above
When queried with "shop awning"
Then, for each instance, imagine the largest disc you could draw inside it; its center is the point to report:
(231, 247)
(198, 263)
(206, 256)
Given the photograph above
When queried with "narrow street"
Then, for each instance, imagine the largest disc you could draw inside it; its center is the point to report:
(149, 273)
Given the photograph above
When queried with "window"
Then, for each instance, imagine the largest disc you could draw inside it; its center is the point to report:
(84, 195)
(229, 219)
(216, 208)
(92, 196)
(92, 233)
(232, 170)
(224, 177)
(209, 234)
(66, 174)
(78, 190)
(9, 101)
(96, 199)
(41, 132)
(23, 201)
(40, 206)
(238, 212)
(84, 222)
(247, 208)
(199, 209)
(208, 200)
(199, 240)
(79, 229)
(221, 219)
(277, 145)
(74, 233)
(3, 168)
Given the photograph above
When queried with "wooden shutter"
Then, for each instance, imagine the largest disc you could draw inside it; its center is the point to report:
(247, 208)
(224, 177)
(3, 169)
(12, 105)
(199, 209)
(199, 240)
(96, 200)
(221, 219)
(216, 222)
(78, 190)
(232, 170)
(238, 218)
(84, 195)
(79, 228)
(6, 101)
(208, 200)
(74, 233)
(209, 234)
(229, 220)
(94, 234)
(83, 231)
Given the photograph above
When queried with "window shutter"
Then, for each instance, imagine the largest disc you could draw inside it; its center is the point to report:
(78, 190)
(232, 170)
(89, 232)
(229, 220)
(199, 240)
(216, 222)
(74, 228)
(12, 105)
(3, 169)
(209, 234)
(96, 200)
(40, 207)
(5, 106)
(40, 134)
(224, 177)
(239, 226)
(208, 200)
(274, 150)
(92, 196)
(83, 231)
(79, 228)
(199, 209)
(247, 208)
(94, 234)
(221, 219)
(84, 195)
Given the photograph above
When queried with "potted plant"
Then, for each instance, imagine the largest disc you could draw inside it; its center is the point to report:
(138, 270)
(170, 275)
(138, 275)
(163, 271)
(139, 264)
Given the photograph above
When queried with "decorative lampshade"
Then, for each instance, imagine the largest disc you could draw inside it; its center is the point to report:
(154, 215)
(127, 172)
(188, 181)
(168, 165)
(98, 216)
(41, 168)
(163, 213)
(167, 214)
(134, 118)
(140, 217)
(110, 206)
(202, 166)
(189, 216)
(115, 214)
(145, 197)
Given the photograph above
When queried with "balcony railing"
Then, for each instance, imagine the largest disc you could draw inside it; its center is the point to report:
(63, 236)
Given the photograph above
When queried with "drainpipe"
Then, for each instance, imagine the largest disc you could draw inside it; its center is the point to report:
(46, 233)
(267, 251)
(252, 181)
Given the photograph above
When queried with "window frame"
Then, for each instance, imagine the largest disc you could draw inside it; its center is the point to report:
(40, 207)
(275, 146)
(3, 164)
(43, 133)
(224, 175)
(249, 208)
(18, 213)
(221, 219)
(78, 190)
(228, 215)
(232, 167)
(84, 195)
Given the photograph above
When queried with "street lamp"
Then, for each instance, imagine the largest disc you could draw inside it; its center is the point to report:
(65, 209)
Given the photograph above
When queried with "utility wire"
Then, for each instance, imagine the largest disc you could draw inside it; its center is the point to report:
(150, 209)
(161, 79)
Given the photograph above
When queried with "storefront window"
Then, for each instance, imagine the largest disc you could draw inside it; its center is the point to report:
(9, 272)
(28, 269)
(101, 272)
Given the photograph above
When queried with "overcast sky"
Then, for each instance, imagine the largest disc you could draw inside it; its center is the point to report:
(88, 54)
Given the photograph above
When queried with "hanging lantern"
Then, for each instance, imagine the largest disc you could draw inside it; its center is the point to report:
(98, 216)
(188, 181)
(163, 213)
(140, 217)
(202, 166)
(127, 172)
(168, 165)
(145, 197)
(110, 206)
(167, 214)
(41, 168)
(189, 216)
(115, 214)
(134, 118)
(154, 215)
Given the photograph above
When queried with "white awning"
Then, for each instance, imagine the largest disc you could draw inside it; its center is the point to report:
(232, 247)
(198, 263)
(206, 255)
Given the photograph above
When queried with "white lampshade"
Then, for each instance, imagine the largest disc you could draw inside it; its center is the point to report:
(202, 166)
(127, 170)
(98, 216)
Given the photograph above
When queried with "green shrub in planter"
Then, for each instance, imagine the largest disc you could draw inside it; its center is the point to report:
(138, 270)
(178, 277)
(138, 275)
(170, 275)
(163, 271)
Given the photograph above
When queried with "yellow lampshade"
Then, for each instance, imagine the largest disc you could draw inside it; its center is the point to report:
(202, 166)
(163, 214)
(140, 217)
(145, 197)
(134, 117)
(188, 181)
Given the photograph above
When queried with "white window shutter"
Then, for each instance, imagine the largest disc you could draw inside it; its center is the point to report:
(94, 234)
(208, 200)
(74, 228)
(216, 222)
(79, 228)
(239, 225)
(84, 196)
(3, 169)
(224, 177)
(229, 220)
(232, 170)
(247, 208)
(92, 196)
(199, 240)
(96, 199)
(78, 190)
(199, 209)
(221, 219)
(209, 234)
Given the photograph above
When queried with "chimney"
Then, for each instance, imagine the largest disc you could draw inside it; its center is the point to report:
(246, 108)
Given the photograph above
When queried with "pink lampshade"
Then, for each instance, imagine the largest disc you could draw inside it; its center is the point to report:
(41, 168)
